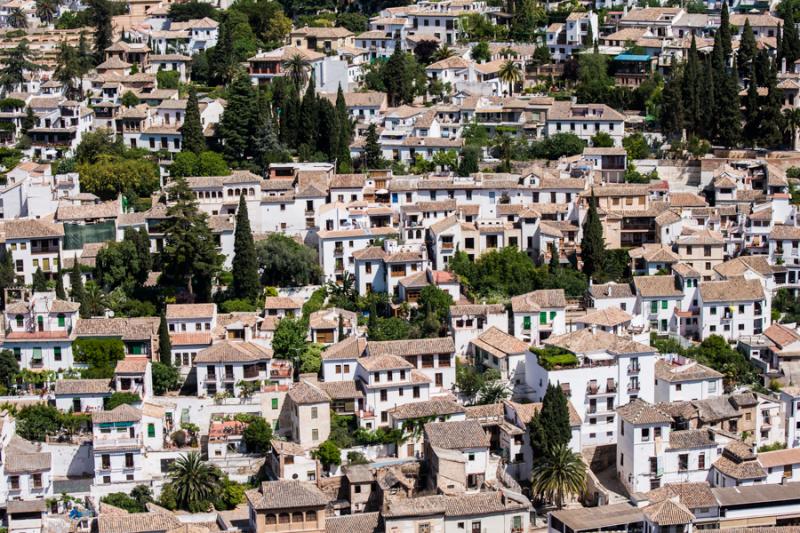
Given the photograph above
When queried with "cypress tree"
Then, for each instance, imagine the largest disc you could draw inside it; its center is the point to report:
(550, 427)
(327, 132)
(61, 294)
(691, 99)
(770, 116)
(747, 50)
(265, 140)
(76, 287)
(39, 281)
(790, 45)
(592, 244)
(762, 71)
(373, 155)
(308, 117)
(343, 159)
(729, 130)
(289, 117)
(708, 102)
(245, 264)
(672, 104)
(725, 32)
(751, 109)
(192, 129)
(103, 31)
(237, 121)
(555, 264)
(164, 342)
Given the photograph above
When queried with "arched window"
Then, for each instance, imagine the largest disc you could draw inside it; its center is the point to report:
(283, 518)
(270, 519)
(252, 192)
(297, 517)
(230, 192)
(311, 516)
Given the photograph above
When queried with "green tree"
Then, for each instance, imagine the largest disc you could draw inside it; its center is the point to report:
(123, 501)
(37, 422)
(556, 146)
(746, 52)
(76, 287)
(68, 66)
(15, 64)
(470, 157)
(289, 340)
(192, 130)
(729, 115)
(560, 474)
(345, 133)
(100, 355)
(39, 281)
(602, 139)
(164, 342)
(121, 398)
(194, 482)
(551, 426)
(480, 52)
(493, 392)
(9, 368)
(112, 175)
(510, 74)
(237, 122)
(297, 68)
(770, 117)
(103, 31)
(16, 18)
(245, 262)
(165, 378)
(328, 454)
(594, 82)
(692, 77)
(388, 329)
(672, 119)
(529, 16)
(373, 154)
(266, 146)
(7, 273)
(311, 358)
(636, 146)
(398, 77)
(61, 293)
(752, 109)
(725, 31)
(469, 381)
(284, 262)
(257, 436)
(592, 244)
(190, 258)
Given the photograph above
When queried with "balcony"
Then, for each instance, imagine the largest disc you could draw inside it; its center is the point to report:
(633, 369)
(228, 377)
(339, 250)
(633, 388)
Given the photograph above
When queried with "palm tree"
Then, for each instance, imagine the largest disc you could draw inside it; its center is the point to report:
(493, 392)
(791, 119)
(445, 52)
(511, 74)
(46, 10)
(94, 299)
(194, 482)
(16, 18)
(560, 473)
(297, 68)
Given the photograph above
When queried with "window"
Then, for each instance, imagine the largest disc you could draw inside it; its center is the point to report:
(701, 461)
(274, 403)
(151, 431)
(128, 460)
(645, 434)
(314, 434)
(384, 395)
(683, 462)
(37, 481)
(654, 306)
(57, 353)
(663, 304)
(314, 413)
(62, 321)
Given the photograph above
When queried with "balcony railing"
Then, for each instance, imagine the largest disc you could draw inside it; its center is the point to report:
(633, 369)
(633, 388)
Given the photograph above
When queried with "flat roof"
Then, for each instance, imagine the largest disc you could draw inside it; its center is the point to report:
(756, 494)
(595, 518)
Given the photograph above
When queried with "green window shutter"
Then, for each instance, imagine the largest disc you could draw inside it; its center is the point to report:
(62, 321)
(57, 352)
(543, 317)
(274, 403)
(526, 322)
(136, 349)
(552, 315)
(654, 306)
(663, 304)
(151, 430)
(37, 353)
